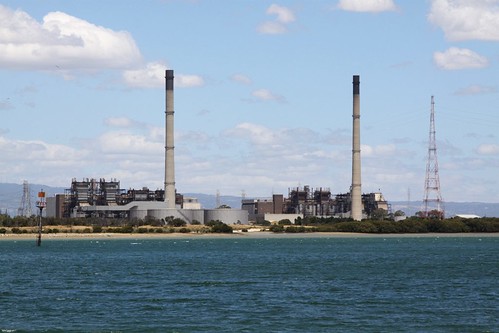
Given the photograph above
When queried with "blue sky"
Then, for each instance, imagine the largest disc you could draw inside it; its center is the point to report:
(263, 94)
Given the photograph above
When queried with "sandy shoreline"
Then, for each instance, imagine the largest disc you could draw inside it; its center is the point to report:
(260, 234)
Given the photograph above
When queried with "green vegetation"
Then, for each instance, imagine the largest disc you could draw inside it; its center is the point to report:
(378, 223)
(219, 227)
(382, 226)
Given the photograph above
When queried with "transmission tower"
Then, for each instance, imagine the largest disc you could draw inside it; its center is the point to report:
(218, 203)
(432, 198)
(25, 208)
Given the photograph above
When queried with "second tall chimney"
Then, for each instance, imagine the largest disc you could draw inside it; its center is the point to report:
(169, 142)
(356, 211)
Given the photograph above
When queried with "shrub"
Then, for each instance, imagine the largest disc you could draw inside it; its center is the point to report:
(128, 229)
(96, 229)
(284, 222)
(295, 229)
(264, 223)
(3, 231)
(184, 230)
(175, 222)
(220, 227)
(276, 228)
(16, 230)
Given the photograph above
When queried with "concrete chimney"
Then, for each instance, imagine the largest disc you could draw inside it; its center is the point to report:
(169, 142)
(356, 191)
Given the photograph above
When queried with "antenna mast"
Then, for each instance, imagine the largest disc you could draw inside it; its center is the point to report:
(25, 208)
(432, 180)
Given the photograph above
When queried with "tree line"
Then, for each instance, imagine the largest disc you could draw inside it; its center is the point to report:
(409, 225)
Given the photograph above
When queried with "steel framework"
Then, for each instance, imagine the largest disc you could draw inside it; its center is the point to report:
(432, 197)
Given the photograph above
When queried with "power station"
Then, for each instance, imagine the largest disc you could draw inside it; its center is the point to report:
(101, 198)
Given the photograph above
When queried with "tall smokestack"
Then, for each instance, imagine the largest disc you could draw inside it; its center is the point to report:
(169, 144)
(356, 183)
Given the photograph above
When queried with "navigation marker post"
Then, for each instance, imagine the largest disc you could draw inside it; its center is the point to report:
(40, 204)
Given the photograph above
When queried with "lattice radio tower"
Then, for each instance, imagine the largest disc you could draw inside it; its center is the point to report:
(25, 208)
(432, 196)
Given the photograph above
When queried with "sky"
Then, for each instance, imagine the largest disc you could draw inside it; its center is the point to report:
(263, 94)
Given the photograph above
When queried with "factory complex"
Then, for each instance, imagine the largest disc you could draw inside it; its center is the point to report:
(305, 202)
(105, 199)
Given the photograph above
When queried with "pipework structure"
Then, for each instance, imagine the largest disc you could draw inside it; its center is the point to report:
(169, 142)
(356, 190)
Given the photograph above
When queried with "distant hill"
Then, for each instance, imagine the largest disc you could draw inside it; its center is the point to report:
(451, 208)
(11, 196)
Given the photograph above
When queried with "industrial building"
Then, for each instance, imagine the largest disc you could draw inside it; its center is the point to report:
(304, 202)
(105, 199)
(92, 198)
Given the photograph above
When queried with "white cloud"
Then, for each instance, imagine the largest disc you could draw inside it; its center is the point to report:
(50, 162)
(284, 16)
(476, 90)
(240, 78)
(377, 151)
(456, 58)
(367, 5)
(128, 143)
(272, 28)
(186, 81)
(62, 42)
(466, 19)
(258, 134)
(267, 95)
(119, 122)
(488, 149)
(153, 76)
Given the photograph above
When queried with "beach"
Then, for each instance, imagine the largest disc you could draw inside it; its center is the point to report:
(238, 234)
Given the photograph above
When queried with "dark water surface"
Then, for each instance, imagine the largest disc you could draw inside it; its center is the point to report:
(394, 284)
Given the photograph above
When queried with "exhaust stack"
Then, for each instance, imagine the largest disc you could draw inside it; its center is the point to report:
(169, 142)
(356, 210)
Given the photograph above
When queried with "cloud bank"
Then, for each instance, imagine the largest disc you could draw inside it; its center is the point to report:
(466, 19)
(62, 41)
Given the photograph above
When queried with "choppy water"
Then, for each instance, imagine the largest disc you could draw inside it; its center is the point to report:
(251, 285)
